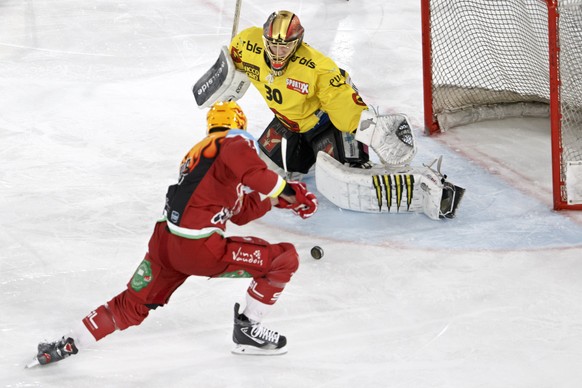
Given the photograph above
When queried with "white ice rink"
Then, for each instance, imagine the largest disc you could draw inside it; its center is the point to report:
(96, 113)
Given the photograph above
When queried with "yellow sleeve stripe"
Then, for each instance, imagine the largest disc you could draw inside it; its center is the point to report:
(279, 186)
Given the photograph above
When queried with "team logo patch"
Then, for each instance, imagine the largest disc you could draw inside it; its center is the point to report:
(235, 55)
(142, 276)
(271, 140)
(297, 86)
(358, 100)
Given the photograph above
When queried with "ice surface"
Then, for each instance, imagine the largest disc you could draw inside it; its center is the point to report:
(95, 115)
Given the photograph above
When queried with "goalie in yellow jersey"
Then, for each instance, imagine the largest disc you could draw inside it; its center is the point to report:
(317, 108)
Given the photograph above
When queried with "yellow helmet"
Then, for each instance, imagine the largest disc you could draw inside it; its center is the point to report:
(282, 36)
(226, 115)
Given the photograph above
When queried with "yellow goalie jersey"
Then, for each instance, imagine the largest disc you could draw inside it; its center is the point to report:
(310, 84)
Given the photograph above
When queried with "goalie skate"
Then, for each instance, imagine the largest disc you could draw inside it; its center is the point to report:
(452, 194)
(252, 338)
(451, 199)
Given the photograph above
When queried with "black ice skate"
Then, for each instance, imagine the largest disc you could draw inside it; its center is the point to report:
(54, 351)
(254, 339)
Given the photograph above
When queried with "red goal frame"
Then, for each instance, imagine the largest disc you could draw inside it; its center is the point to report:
(555, 115)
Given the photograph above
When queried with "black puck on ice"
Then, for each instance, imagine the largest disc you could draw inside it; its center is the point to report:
(316, 252)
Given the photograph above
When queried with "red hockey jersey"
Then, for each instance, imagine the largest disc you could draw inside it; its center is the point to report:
(221, 178)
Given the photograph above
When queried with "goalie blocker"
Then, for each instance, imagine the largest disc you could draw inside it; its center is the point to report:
(222, 82)
(386, 189)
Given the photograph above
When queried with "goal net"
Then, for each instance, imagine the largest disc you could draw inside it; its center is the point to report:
(491, 59)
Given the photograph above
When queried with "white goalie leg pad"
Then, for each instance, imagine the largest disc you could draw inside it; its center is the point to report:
(381, 189)
(390, 136)
(222, 82)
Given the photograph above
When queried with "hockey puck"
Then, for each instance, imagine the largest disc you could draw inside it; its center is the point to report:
(316, 252)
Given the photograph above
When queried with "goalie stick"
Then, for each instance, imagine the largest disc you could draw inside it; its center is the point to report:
(236, 18)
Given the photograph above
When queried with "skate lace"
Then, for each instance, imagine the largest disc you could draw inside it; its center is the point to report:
(259, 331)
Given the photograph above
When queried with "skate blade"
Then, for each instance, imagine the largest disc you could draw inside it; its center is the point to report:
(248, 350)
(32, 364)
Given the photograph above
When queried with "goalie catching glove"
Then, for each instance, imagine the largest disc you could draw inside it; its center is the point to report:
(305, 204)
(389, 136)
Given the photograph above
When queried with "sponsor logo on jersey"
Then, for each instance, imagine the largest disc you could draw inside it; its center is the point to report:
(252, 71)
(304, 61)
(337, 81)
(297, 86)
(241, 256)
(253, 47)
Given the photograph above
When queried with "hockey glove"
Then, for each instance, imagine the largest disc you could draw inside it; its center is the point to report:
(390, 136)
(305, 204)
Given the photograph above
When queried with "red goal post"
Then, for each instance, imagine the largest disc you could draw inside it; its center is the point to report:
(490, 59)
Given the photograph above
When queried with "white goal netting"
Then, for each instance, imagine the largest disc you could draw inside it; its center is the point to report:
(490, 59)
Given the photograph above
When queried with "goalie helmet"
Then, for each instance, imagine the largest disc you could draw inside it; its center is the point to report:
(282, 36)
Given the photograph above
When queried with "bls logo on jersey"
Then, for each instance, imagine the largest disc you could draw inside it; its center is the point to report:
(253, 47)
(304, 61)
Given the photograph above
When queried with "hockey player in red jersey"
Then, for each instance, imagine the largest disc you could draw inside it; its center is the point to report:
(222, 178)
